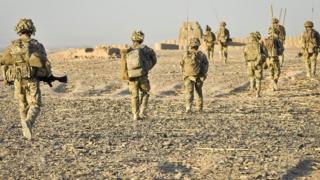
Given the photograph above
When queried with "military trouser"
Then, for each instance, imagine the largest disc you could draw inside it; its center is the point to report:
(281, 56)
(254, 72)
(210, 50)
(29, 96)
(281, 60)
(192, 83)
(136, 86)
(311, 63)
(223, 53)
(275, 70)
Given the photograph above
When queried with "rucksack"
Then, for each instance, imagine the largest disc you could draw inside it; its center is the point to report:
(310, 40)
(253, 51)
(223, 36)
(192, 65)
(209, 37)
(135, 63)
(271, 46)
(30, 59)
(282, 32)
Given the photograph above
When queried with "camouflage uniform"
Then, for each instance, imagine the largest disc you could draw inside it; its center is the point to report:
(223, 37)
(209, 39)
(19, 58)
(139, 84)
(254, 55)
(274, 48)
(310, 46)
(193, 80)
(279, 31)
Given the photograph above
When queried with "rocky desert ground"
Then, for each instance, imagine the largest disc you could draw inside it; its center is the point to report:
(86, 131)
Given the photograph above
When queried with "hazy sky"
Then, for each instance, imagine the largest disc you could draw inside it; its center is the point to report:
(67, 23)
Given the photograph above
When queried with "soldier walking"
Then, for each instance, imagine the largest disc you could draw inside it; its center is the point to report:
(223, 37)
(310, 41)
(274, 48)
(279, 31)
(255, 57)
(209, 39)
(194, 65)
(137, 61)
(26, 61)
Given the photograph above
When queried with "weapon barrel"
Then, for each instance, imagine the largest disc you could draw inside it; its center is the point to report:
(62, 79)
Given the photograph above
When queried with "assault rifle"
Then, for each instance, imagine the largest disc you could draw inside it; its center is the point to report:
(52, 78)
(48, 80)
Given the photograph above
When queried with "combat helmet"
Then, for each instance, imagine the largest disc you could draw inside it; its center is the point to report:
(275, 20)
(208, 28)
(137, 36)
(194, 42)
(258, 35)
(222, 23)
(308, 24)
(25, 26)
(253, 36)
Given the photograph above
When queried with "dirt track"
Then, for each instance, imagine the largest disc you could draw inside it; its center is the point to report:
(85, 128)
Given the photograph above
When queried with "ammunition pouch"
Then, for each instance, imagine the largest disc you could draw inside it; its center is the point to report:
(22, 71)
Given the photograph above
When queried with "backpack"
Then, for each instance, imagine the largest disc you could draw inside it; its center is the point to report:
(135, 63)
(30, 59)
(310, 41)
(282, 32)
(209, 37)
(253, 51)
(271, 45)
(192, 65)
(223, 36)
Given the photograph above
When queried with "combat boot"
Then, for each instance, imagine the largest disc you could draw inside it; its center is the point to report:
(258, 94)
(26, 129)
(142, 114)
(136, 117)
(199, 110)
(188, 109)
(274, 85)
(309, 75)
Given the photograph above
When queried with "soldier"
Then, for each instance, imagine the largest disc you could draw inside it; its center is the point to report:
(194, 67)
(274, 48)
(223, 37)
(254, 55)
(209, 39)
(136, 63)
(279, 31)
(310, 41)
(26, 61)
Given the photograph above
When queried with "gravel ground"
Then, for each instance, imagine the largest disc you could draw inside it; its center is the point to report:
(86, 130)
